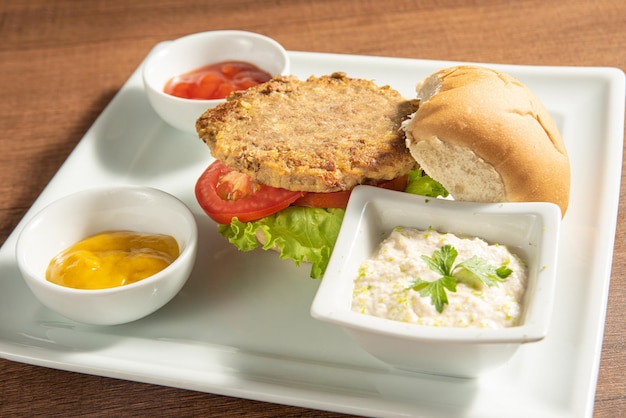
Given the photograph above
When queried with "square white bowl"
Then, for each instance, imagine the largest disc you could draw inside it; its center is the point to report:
(530, 230)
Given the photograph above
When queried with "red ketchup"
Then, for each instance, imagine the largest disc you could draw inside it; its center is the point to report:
(216, 81)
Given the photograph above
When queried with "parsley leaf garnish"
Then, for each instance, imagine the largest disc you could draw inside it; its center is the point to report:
(475, 272)
(442, 260)
(436, 290)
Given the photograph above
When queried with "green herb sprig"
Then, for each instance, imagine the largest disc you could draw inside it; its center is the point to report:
(475, 272)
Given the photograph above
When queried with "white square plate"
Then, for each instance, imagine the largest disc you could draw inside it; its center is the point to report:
(241, 325)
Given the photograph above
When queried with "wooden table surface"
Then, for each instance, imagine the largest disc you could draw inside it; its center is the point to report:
(61, 63)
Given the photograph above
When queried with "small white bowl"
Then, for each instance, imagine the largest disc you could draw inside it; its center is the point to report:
(194, 51)
(79, 215)
(530, 230)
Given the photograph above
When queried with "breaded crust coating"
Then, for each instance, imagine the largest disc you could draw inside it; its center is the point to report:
(324, 134)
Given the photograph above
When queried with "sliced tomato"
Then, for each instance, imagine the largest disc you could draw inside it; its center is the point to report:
(224, 194)
(340, 199)
(397, 184)
(324, 200)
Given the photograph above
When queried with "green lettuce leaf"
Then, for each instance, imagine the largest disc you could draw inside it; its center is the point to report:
(298, 233)
(422, 184)
(305, 234)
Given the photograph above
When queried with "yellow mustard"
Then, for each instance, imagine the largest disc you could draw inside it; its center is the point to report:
(112, 258)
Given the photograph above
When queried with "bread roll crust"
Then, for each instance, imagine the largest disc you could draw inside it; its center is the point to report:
(486, 137)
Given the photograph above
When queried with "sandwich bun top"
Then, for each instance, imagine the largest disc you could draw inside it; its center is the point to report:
(487, 138)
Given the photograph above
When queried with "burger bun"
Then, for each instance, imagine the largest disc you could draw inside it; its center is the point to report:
(487, 138)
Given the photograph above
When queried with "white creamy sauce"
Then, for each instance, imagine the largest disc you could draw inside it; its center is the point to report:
(382, 287)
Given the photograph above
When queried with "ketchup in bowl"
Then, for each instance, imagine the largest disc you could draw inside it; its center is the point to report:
(216, 81)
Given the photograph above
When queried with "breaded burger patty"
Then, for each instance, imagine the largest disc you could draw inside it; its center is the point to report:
(324, 134)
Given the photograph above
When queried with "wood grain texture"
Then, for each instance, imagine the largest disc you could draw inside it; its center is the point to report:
(62, 62)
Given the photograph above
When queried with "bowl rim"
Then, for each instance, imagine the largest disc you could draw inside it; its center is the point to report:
(185, 256)
(327, 308)
(226, 32)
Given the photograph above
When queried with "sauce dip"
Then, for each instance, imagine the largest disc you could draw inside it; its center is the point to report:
(382, 287)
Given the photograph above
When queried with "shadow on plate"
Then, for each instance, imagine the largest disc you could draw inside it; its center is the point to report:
(131, 140)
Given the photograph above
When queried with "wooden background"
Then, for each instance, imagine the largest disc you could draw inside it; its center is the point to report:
(62, 61)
